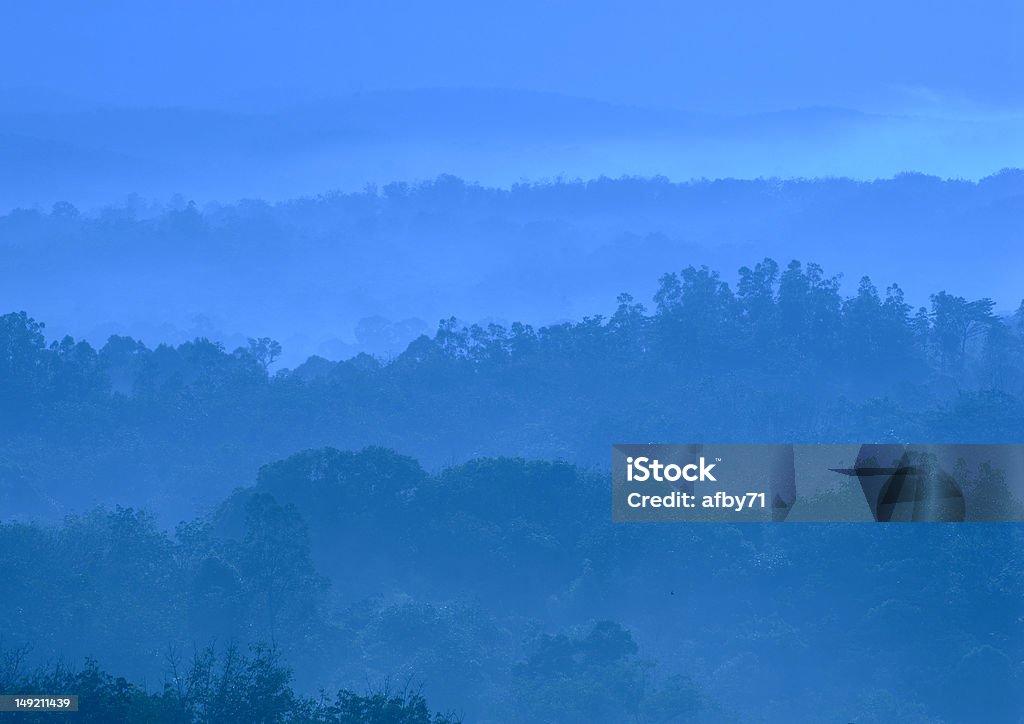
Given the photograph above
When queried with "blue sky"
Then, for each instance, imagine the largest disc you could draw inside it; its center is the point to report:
(717, 56)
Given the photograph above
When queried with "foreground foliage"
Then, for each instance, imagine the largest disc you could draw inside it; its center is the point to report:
(232, 688)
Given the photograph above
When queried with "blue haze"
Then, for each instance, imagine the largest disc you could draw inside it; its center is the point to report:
(434, 209)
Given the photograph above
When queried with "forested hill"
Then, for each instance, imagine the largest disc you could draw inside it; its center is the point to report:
(505, 590)
(369, 271)
(782, 354)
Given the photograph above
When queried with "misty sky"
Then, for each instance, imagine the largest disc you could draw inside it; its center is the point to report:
(109, 103)
(716, 56)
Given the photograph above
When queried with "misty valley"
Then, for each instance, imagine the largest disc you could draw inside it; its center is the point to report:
(606, 362)
(437, 525)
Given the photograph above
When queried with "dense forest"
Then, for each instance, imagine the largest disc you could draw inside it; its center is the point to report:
(782, 355)
(503, 590)
(369, 271)
(233, 688)
(331, 333)
(438, 522)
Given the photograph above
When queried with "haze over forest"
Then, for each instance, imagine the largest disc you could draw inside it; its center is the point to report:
(343, 273)
(355, 179)
(317, 322)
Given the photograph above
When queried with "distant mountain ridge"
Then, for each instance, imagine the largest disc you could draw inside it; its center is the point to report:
(91, 154)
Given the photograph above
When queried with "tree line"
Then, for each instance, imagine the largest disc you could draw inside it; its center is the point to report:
(782, 355)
